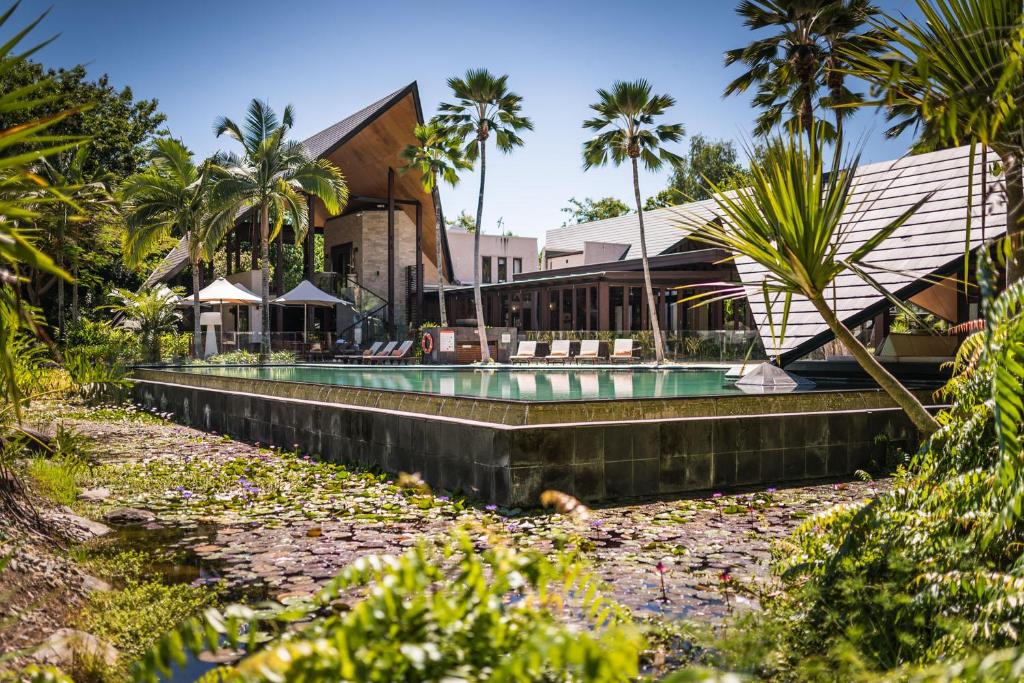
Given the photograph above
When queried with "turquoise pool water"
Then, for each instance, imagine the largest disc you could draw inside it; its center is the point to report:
(517, 384)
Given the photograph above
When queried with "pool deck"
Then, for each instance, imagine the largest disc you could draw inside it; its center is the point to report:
(508, 451)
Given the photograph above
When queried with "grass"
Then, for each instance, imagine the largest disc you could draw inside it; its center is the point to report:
(56, 479)
(140, 608)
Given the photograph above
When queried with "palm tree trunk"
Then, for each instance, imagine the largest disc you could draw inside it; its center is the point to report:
(265, 281)
(921, 418)
(485, 352)
(75, 311)
(197, 329)
(440, 265)
(1013, 170)
(60, 281)
(659, 351)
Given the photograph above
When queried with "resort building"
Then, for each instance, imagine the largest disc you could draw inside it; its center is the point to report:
(379, 253)
(592, 280)
(502, 257)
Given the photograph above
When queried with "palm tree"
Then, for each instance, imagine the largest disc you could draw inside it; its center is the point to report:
(153, 311)
(483, 105)
(438, 155)
(274, 176)
(790, 220)
(958, 78)
(625, 130)
(90, 205)
(171, 196)
(790, 66)
(843, 34)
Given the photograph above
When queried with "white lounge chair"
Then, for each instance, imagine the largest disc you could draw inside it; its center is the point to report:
(589, 351)
(622, 352)
(559, 351)
(526, 352)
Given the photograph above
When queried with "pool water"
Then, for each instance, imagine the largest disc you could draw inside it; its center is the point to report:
(517, 384)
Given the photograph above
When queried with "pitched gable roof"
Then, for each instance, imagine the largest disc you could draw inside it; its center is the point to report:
(329, 138)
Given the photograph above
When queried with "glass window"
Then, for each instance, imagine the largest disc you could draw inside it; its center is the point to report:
(485, 269)
(553, 309)
(593, 308)
(581, 308)
(636, 307)
(502, 269)
(615, 308)
(517, 266)
(566, 309)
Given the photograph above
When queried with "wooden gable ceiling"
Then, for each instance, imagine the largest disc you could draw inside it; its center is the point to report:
(365, 155)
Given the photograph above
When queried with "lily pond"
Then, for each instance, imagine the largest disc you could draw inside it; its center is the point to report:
(263, 523)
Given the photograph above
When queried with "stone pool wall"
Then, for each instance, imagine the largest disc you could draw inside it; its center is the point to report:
(510, 464)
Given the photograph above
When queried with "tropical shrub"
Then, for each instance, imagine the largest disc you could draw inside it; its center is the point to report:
(461, 612)
(928, 571)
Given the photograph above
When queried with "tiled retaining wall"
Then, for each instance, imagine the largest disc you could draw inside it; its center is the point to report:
(512, 464)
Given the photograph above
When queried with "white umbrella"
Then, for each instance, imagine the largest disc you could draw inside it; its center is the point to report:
(307, 294)
(220, 291)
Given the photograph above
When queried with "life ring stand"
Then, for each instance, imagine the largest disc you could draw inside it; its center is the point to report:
(427, 343)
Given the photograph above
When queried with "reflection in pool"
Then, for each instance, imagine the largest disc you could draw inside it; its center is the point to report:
(526, 384)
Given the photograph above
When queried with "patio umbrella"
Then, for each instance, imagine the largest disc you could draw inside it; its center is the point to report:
(221, 292)
(307, 294)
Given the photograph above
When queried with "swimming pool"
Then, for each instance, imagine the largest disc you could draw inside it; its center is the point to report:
(511, 384)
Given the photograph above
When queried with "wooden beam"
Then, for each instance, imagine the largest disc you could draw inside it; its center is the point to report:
(391, 249)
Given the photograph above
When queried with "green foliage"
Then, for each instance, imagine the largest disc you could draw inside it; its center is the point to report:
(55, 478)
(922, 582)
(710, 163)
(804, 63)
(463, 222)
(273, 177)
(104, 339)
(243, 357)
(152, 312)
(463, 612)
(95, 376)
(175, 345)
(593, 210)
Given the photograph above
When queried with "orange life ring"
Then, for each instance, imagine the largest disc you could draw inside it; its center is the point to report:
(427, 343)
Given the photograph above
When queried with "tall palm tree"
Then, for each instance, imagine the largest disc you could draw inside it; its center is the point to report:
(93, 206)
(438, 154)
(171, 196)
(274, 176)
(958, 77)
(483, 105)
(790, 66)
(625, 131)
(790, 220)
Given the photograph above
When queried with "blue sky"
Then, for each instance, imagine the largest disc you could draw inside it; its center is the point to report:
(330, 58)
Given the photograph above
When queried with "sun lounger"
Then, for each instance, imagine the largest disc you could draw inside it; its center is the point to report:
(559, 351)
(589, 351)
(352, 357)
(384, 353)
(526, 352)
(400, 355)
(622, 352)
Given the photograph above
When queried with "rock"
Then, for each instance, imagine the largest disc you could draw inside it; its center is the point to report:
(94, 495)
(93, 585)
(65, 645)
(78, 527)
(129, 516)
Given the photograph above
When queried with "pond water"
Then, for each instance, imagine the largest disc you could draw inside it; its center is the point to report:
(515, 384)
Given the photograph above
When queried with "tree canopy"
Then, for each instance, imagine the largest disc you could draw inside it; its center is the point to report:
(709, 163)
(118, 125)
(587, 210)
